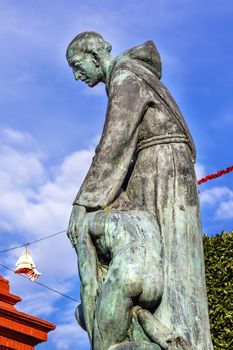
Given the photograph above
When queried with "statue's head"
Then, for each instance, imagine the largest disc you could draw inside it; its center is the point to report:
(85, 55)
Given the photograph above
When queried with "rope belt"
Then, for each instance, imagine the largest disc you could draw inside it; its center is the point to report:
(158, 140)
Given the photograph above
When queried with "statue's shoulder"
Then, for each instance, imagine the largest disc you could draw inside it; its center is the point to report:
(121, 70)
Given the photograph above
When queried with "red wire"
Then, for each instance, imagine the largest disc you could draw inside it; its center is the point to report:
(214, 175)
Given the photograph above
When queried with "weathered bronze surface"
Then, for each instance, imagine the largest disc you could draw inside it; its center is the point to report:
(135, 222)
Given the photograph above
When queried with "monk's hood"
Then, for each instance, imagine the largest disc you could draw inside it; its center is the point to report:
(147, 55)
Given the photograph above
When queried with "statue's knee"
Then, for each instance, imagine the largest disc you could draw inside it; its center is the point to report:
(133, 284)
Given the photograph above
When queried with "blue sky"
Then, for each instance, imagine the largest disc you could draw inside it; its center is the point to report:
(50, 124)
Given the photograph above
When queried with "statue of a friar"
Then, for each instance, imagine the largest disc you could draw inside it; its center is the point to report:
(135, 223)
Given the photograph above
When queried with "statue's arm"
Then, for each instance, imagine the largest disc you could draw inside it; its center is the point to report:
(88, 265)
(76, 220)
(118, 142)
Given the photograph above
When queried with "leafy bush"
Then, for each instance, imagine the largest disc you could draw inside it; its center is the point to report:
(219, 272)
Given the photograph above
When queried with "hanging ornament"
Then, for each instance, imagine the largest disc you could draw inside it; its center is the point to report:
(26, 265)
(33, 274)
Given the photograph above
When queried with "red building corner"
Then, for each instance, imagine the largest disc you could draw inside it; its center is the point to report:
(19, 331)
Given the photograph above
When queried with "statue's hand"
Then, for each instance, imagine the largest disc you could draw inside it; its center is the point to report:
(76, 219)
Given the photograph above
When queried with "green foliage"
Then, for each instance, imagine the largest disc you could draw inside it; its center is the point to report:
(219, 272)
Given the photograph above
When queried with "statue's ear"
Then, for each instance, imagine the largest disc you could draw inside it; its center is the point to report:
(95, 58)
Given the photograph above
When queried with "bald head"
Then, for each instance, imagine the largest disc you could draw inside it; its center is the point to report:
(87, 42)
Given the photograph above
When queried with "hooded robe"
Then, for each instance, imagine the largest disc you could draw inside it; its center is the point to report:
(145, 161)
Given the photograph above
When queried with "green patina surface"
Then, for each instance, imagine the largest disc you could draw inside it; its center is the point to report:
(135, 222)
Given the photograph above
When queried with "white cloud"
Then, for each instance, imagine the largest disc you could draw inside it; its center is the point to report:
(36, 201)
(69, 334)
(200, 171)
(14, 136)
(214, 195)
(18, 168)
(34, 198)
(221, 200)
(225, 210)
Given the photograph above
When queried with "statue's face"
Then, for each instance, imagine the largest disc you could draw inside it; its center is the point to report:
(85, 68)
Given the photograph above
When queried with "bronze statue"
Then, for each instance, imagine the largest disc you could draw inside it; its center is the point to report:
(135, 222)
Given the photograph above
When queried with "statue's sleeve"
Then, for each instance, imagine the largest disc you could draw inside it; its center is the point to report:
(110, 164)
